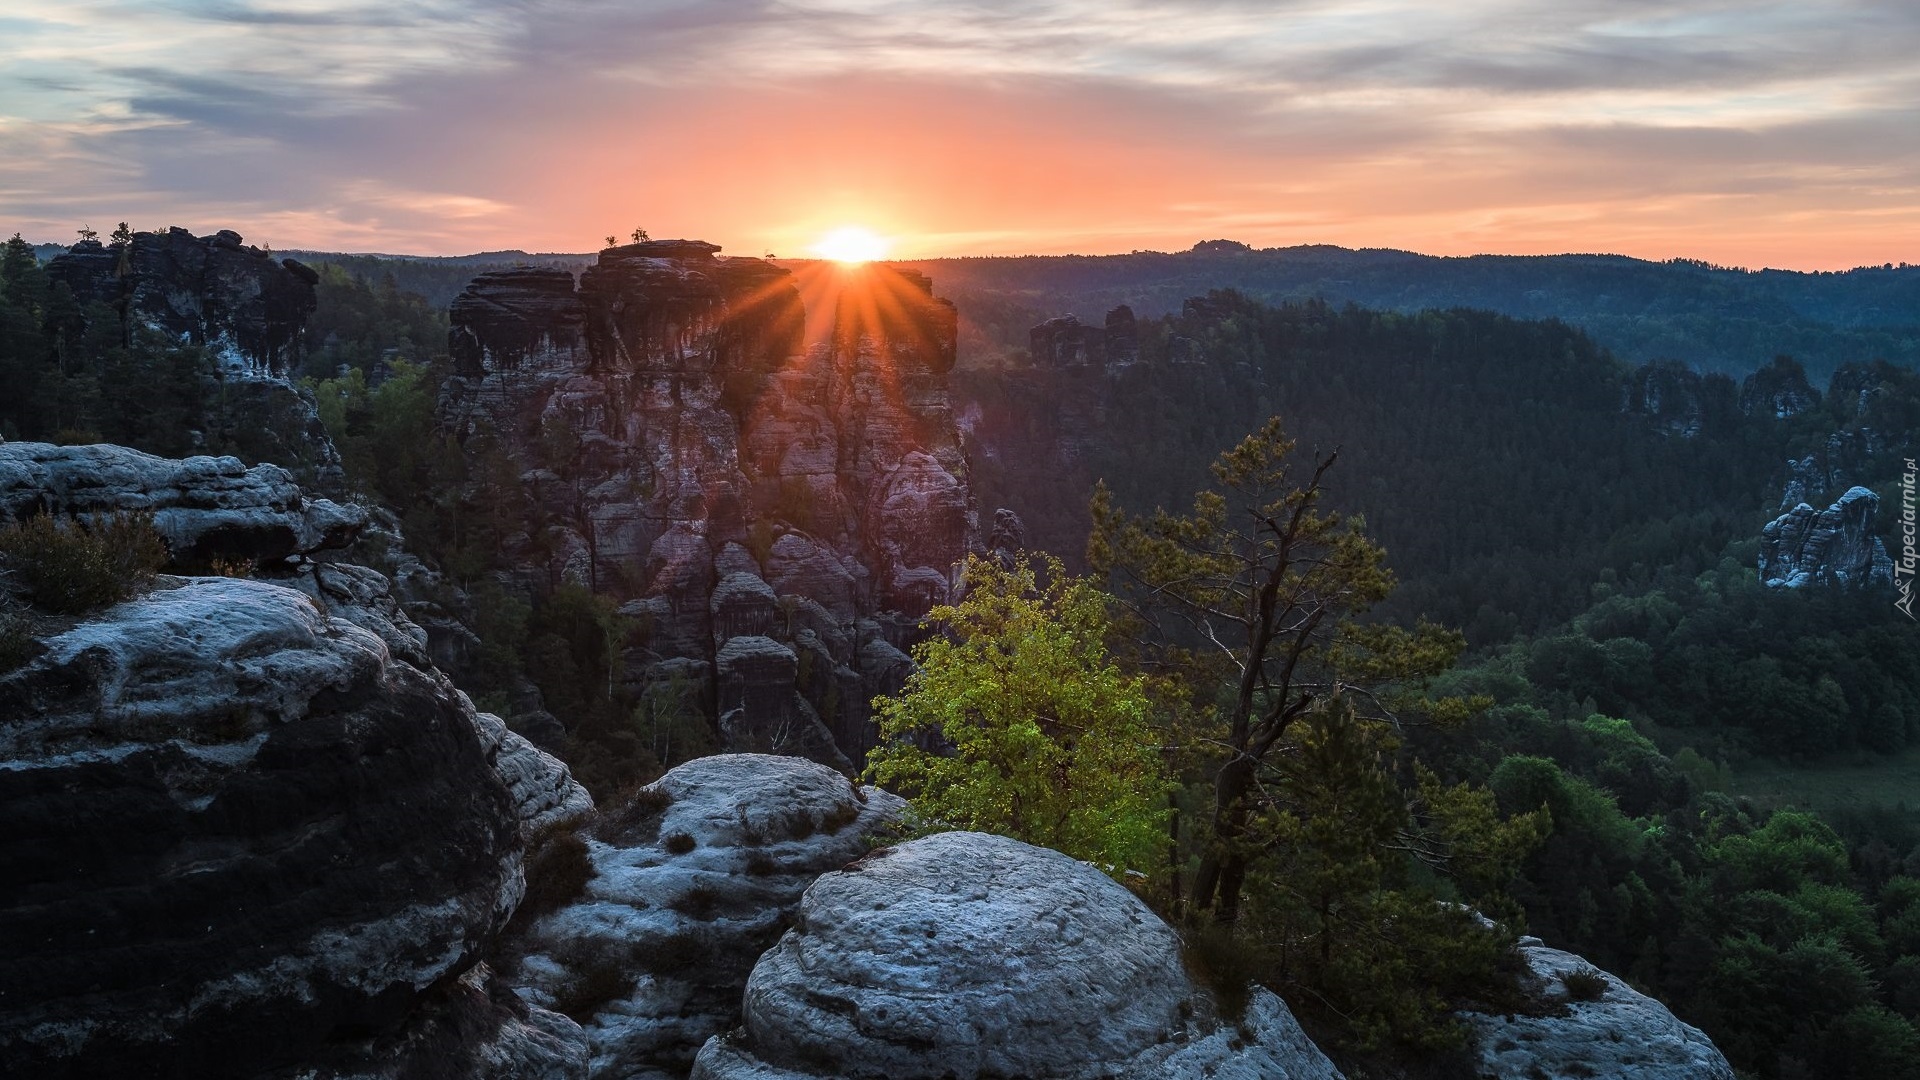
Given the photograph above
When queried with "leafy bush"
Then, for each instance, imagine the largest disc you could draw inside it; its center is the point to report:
(69, 568)
(678, 844)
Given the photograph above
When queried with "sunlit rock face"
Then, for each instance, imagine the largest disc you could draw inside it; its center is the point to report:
(665, 423)
(249, 308)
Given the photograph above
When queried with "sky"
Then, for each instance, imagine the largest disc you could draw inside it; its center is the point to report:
(1748, 134)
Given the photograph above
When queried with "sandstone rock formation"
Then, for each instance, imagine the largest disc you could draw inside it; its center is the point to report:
(1779, 390)
(967, 955)
(692, 882)
(683, 453)
(1621, 1033)
(238, 827)
(248, 308)
(1835, 546)
(206, 507)
(1677, 399)
(250, 827)
(1066, 342)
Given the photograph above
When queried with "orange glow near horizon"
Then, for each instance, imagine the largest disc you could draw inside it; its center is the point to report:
(852, 244)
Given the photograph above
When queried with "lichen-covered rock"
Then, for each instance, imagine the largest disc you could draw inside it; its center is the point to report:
(1621, 1033)
(691, 883)
(237, 826)
(964, 955)
(206, 507)
(1835, 546)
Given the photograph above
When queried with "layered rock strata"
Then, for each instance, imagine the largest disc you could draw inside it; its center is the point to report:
(672, 443)
(690, 883)
(207, 508)
(1835, 546)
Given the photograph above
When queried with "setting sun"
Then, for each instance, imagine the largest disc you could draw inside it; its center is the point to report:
(852, 244)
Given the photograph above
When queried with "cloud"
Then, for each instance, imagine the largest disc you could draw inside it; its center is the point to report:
(1734, 131)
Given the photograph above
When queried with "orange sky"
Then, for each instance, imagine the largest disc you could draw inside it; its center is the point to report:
(1746, 134)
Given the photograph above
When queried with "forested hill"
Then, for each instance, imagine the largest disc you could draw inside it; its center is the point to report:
(1714, 318)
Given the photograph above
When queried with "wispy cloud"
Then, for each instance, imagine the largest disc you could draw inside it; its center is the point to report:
(1739, 131)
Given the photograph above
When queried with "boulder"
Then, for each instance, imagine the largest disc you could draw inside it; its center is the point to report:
(1619, 1033)
(965, 955)
(207, 508)
(693, 880)
(239, 828)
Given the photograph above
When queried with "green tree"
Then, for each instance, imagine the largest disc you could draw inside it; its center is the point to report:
(1259, 587)
(1038, 734)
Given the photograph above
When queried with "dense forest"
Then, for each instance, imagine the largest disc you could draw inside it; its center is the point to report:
(1717, 318)
(1627, 667)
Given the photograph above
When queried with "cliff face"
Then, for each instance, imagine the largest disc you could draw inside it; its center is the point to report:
(249, 308)
(250, 825)
(774, 518)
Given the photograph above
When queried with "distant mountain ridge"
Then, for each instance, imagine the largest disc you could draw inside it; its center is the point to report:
(1711, 317)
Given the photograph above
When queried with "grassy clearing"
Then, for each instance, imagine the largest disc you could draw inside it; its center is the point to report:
(1846, 782)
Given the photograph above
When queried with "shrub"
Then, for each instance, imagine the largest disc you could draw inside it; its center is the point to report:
(760, 864)
(678, 844)
(698, 902)
(69, 568)
(1584, 984)
(599, 981)
(558, 870)
(16, 641)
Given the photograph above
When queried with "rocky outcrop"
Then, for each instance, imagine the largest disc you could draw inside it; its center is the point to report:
(691, 882)
(1779, 390)
(238, 827)
(681, 452)
(249, 309)
(1835, 546)
(1677, 399)
(967, 955)
(207, 508)
(1065, 342)
(1598, 1026)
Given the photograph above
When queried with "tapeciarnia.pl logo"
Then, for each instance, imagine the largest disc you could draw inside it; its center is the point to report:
(1903, 571)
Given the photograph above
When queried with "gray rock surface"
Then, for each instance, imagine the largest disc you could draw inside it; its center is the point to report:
(1836, 546)
(247, 307)
(1622, 1034)
(691, 884)
(235, 825)
(967, 955)
(205, 507)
